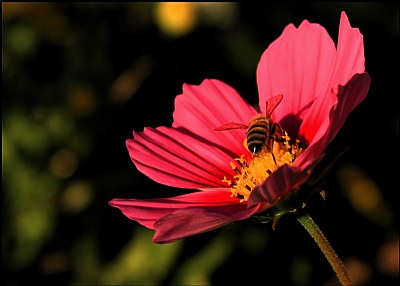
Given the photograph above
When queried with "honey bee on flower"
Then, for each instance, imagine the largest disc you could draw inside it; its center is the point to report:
(307, 86)
(262, 131)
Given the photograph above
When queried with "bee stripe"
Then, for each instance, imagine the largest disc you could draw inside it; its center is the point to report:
(257, 130)
(259, 123)
(256, 138)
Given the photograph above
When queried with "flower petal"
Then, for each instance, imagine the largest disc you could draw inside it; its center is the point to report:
(298, 65)
(147, 212)
(350, 53)
(176, 158)
(349, 96)
(281, 182)
(191, 221)
(203, 108)
(349, 61)
(182, 216)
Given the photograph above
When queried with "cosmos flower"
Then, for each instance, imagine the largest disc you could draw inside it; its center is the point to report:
(318, 83)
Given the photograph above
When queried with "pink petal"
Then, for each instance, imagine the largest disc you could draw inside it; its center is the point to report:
(350, 53)
(349, 61)
(147, 212)
(349, 96)
(284, 180)
(201, 109)
(190, 221)
(189, 214)
(298, 65)
(175, 158)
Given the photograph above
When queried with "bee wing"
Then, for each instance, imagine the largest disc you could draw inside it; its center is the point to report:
(272, 103)
(231, 125)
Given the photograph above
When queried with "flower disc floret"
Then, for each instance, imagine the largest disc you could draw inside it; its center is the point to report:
(252, 172)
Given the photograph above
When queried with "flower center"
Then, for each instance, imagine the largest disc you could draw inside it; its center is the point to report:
(253, 171)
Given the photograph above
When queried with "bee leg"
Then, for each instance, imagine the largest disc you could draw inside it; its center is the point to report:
(297, 147)
(271, 146)
(278, 135)
(273, 157)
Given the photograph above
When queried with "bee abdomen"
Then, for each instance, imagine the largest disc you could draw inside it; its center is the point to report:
(256, 136)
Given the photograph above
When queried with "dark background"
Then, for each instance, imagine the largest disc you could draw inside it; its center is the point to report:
(78, 78)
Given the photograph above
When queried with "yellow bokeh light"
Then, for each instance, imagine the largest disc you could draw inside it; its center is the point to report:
(76, 196)
(63, 163)
(175, 19)
(364, 194)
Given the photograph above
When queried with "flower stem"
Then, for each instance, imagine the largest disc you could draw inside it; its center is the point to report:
(308, 223)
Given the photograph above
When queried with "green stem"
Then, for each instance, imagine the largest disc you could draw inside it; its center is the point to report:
(308, 223)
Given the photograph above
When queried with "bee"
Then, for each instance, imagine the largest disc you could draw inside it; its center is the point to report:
(262, 131)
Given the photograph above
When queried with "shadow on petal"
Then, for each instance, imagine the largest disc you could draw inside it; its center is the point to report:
(191, 221)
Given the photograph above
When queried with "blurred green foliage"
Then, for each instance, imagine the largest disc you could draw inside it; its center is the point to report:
(79, 77)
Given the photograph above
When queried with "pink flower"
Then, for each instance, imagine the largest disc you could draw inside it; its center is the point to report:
(320, 83)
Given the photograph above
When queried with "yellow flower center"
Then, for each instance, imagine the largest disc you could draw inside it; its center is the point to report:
(255, 170)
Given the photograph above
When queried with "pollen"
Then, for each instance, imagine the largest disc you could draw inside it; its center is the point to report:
(254, 170)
